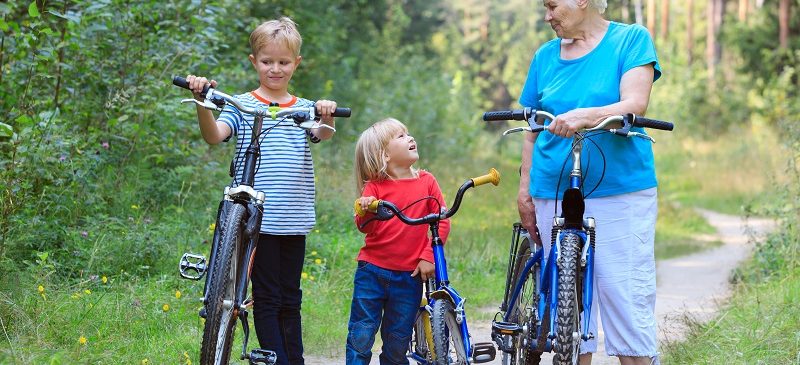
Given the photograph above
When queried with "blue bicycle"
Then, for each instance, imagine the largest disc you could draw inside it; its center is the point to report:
(442, 321)
(545, 299)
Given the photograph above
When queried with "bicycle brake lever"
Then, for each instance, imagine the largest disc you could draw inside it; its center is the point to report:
(516, 130)
(314, 125)
(642, 136)
(205, 104)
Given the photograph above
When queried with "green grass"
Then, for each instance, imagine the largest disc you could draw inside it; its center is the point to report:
(761, 325)
(124, 322)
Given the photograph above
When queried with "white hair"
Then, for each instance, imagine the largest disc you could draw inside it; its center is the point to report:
(599, 5)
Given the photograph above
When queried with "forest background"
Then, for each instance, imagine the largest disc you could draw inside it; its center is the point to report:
(106, 180)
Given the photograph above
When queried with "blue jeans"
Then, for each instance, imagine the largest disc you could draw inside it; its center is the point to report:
(387, 299)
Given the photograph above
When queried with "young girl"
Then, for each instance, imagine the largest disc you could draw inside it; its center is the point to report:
(396, 258)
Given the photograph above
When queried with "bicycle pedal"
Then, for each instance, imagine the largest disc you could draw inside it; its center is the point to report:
(192, 263)
(483, 352)
(262, 357)
(506, 328)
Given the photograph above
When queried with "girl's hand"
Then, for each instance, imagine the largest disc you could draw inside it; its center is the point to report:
(365, 201)
(197, 83)
(567, 124)
(425, 270)
(325, 108)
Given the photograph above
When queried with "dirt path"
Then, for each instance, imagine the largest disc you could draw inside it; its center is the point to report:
(691, 285)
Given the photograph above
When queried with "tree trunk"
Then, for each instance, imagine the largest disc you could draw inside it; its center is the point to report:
(690, 31)
(783, 23)
(711, 42)
(743, 4)
(637, 10)
(664, 31)
(651, 17)
(626, 15)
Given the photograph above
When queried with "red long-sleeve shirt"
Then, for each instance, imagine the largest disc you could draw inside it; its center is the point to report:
(392, 244)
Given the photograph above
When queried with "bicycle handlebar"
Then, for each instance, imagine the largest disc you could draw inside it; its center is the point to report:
(219, 99)
(529, 115)
(385, 210)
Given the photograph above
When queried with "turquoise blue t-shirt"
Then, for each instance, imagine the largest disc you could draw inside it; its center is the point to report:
(558, 86)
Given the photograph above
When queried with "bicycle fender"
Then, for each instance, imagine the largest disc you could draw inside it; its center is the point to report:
(443, 294)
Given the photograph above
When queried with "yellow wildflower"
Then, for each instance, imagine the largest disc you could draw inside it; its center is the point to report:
(134, 207)
(82, 340)
(165, 307)
(87, 291)
(104, 279)
(313, 253)
(41, 289)
(145, 361)
(318, 261)
(304, 275)
(178, 294)
(311, 278)
(211, 227)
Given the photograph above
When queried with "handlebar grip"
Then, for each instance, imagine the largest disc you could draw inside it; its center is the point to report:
(180, 81)
(492, 177)
(342, 112)
(373, 207)
(652, 123)
(498, 115)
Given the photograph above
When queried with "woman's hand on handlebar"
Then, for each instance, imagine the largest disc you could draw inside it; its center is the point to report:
(569, 123)
(197, 84)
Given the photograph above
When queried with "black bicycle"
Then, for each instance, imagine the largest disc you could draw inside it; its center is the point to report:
(236, 233)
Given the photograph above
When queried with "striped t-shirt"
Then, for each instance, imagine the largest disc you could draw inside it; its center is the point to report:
(285, 172)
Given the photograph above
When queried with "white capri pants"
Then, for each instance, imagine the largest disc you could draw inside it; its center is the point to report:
(624, 269)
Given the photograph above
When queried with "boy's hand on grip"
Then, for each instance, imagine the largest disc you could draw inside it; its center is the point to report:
(325, 108)
(197, 84)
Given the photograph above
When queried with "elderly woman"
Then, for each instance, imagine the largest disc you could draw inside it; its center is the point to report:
(593, 69)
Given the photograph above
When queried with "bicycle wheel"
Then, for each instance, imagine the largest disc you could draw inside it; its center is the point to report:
(567, 346)
(220, 296)
(524, 309)
(448, 344)
(422, 338)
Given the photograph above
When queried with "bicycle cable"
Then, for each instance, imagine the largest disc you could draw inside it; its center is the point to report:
(578, 139)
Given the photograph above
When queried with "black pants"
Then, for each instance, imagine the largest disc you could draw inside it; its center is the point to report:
(277, 295)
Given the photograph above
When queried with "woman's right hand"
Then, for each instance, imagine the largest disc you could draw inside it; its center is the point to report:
(197, 83)
(527, 211)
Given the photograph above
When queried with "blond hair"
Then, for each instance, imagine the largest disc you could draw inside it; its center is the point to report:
(282, 31)
(371, 154)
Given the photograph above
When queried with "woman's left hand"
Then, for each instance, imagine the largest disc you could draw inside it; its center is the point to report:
(567, 124)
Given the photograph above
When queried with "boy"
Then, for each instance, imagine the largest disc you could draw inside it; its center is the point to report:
(286, 177)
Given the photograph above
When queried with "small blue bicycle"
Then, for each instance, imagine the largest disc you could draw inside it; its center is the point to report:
(442, 321)
(544, 299)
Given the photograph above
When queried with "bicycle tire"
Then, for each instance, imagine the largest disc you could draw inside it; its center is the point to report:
(422, 338)
(220, 321)
(568, 311)
(527, 298)
(448, 345)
